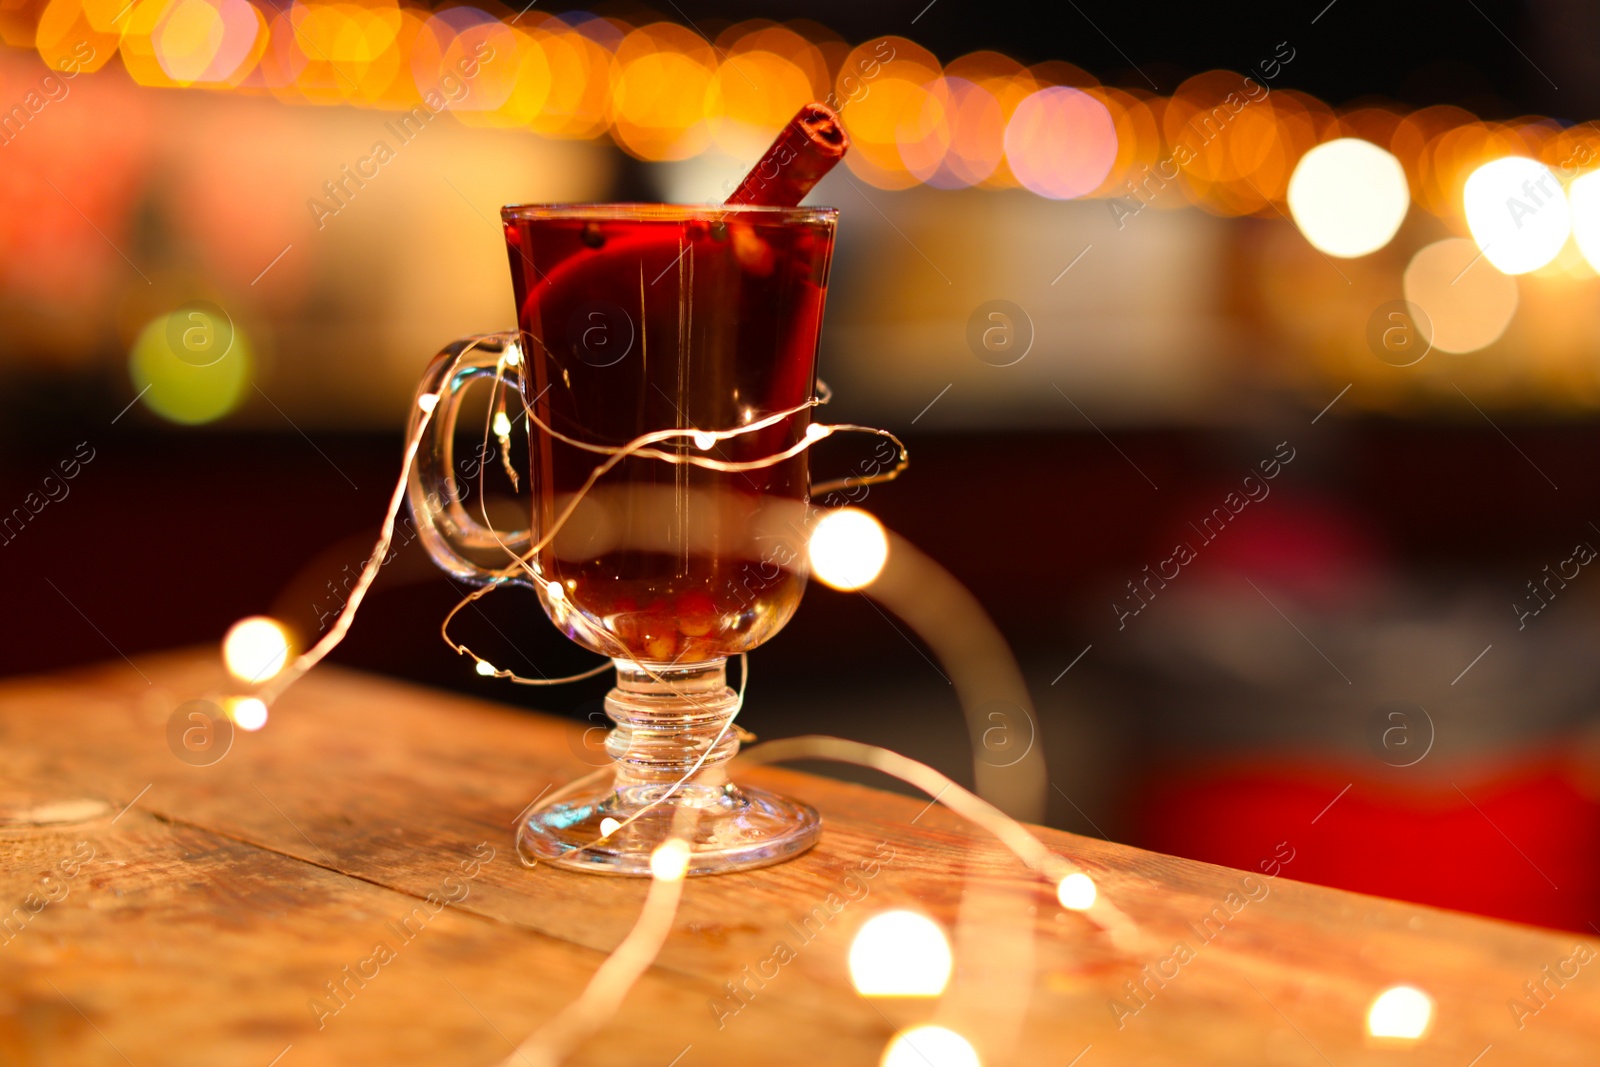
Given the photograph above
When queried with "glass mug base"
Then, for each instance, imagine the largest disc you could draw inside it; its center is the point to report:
(746, 828)
(663, 726)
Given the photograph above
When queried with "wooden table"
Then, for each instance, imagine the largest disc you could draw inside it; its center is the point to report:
(196, 914)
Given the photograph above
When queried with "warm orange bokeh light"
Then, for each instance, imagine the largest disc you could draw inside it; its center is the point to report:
(660, 77)
(752, 94)
(663, 92)
(883, 94)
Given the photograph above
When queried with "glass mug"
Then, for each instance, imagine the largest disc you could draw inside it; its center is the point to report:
(635, 319)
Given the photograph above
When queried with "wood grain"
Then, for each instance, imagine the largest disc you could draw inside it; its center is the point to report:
(203, 923)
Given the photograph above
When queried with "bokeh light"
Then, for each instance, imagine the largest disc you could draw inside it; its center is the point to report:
(187, 38)
(889, 92)
(753, 93)
(1076, 891)
(1400, 1012)
(930, 1046)
(1517, 213)
(248, 713)
(670, 860)
(179, 388)
(1583, 196)
(255, 649)
(1469, 304)
(1061, 142)
(663, 75)
(663, 91)
(974, 137)
(848, 549)
(900, 954)
(1348, 197)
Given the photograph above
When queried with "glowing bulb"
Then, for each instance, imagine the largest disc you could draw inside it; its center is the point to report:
(249, 713)
(816, 429)
(900, 954)
(484, 667)
(255, 649)
(1401, 1012)
(1076, 892)
(1584, 197)
(703, 440)
(512, 357)
(848, 549)
(1517, 213)
(502, 425)
(554, 591)
(608, 826)
(670, 861)
(1348, 197)
(427, 401)
(930, 1046)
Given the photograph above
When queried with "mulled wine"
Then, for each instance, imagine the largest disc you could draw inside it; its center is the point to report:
(640, 318)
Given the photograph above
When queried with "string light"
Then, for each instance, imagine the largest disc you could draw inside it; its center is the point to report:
(930, 1046)
(1076, 892)
(255, 649)
(604, 994)
(1400, 1012)
(670, 861)
(900, 954)
(848, 549)
(248, 713)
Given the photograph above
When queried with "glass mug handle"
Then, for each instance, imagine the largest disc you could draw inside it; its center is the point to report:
(450, 534)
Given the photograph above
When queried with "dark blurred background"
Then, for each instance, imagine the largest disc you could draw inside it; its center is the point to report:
(1372, 662)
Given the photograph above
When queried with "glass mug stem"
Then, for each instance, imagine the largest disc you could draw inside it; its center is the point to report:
(667, 724)
(664, 725)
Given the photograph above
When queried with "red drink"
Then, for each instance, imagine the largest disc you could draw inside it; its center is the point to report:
(638, 318)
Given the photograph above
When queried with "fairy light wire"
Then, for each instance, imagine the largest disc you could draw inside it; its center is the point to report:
(560, 1036)
(308, 659)
(603, 996)
(643, 447)
(1016, 837)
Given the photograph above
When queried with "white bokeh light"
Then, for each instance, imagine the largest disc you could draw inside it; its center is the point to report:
(255, 649)
(249, 713)
(670, 861)
(1349, 197)
(900, 954)
(848, 549)
(1583, 196)
(930, 1046)
(1517, 213)
(1400, 1012)
(1076, 891)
